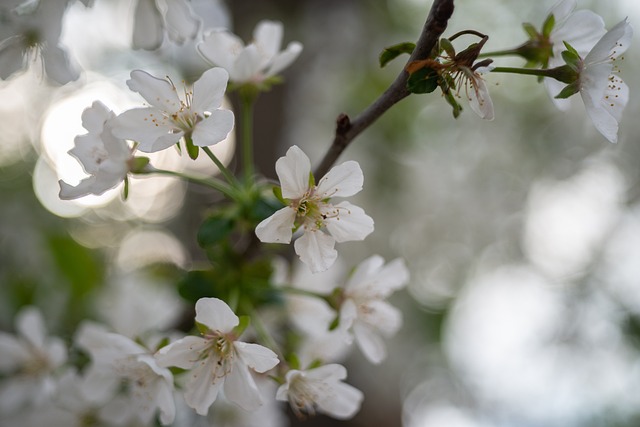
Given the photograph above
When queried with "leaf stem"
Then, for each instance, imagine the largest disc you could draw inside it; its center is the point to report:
(223, 169)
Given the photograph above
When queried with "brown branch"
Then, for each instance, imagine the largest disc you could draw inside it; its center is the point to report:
(346, 129)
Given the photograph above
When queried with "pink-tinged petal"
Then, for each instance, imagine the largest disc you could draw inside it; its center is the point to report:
(147, 127)
(203, 385)
(268, 37)
(57, 65)
(216, 315)
(241, 389)
(183, 353)
(316, 250)
(342, 403)
(30, 325)
(209, 90)
(157, 92)
(213, 129)
(370, 343)
(283, 59)
(293, 172)
(479, 98)
(278, 227)
(220, 48)
(180, 22)
(255, 356)
(343, 180)
(12, 351)
(147, 28)
(613, 44)
(350, 224)
(247, 65)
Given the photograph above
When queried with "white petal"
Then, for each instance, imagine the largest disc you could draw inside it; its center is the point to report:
(58, 66)
(12, 351)
(268, 37)
(183, 353)
(283, 59)
(30, 325)
(209, 90)
(138, 125)
(213, 129)
(241, 389)
(93, 117)
(382, 316)
(350, 224)
(293, 172)
(180, 22)
(614, 43)
(157, 92)
(479, 98)
(203, 386)
(99, 384)
(554, 87)
(84, 188)
(221, 48)
(602, 117)
(216, 315)
(343, 180)
(255, 356)
(316, 250)
(342, 403)
(330, 373)
(147, 27)
(166, 403)
(278, 227)
(562, 9)
(376, 280)
(370, 343)
(365, 272)
(247, 66)
(581, 30)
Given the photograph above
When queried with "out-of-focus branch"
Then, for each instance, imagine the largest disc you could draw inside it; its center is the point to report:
(347, 129)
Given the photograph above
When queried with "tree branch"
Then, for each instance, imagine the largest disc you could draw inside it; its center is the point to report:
(347, 129)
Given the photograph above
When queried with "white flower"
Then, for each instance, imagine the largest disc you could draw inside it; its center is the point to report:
(581, 29)
(117, 359)
(218, 359)
(27, 361)
(320, 390)
(102, 155)
(255, 62)
(478, 95)
(168, 118)
(308, 206)
(153, 17)
(604, 94)
(364, 312)
(27, 37)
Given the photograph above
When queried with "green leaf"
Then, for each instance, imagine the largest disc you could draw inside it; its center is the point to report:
(192, 150)
(530, 30)
(392, 52)
(569, 90)
(197, 284)
(548, 25)
(214, 229)
(446, 45)
(244, 323)
(424, 80)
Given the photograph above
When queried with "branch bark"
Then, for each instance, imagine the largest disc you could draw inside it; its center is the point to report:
(347, 129)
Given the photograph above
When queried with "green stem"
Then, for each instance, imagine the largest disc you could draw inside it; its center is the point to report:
(528, 71)
(223, 169)
(263, 332)
(507, 52)
(304, 292)
(247, 136)
(208, 182)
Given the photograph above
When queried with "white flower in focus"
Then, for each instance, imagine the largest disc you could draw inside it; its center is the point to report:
(604, 94)
(255, 62)
(27, 362)
(102, 155)
(581, 29)
(364, 313)
(218, 358)
(320, 390)
(153, 17)
(168, 118)
(117, 359)
(32, 37)
(310, 209)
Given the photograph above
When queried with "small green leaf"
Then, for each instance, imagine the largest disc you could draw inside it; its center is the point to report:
(548, 25)
(392, 52)
(277, 191)
(214, 229)
(424, 80)
(572, 59)
(530, 30)
(446, 45)
(569, 90)
(571, 49)
(245, 321)
(192, 150)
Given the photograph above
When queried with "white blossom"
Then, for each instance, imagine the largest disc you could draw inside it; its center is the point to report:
(478, 93)
(255, 62)
(218, 359)
(364, 312)
(320, 390)
(153, 17)
(169, 118)
(323, 223)
(102, 155)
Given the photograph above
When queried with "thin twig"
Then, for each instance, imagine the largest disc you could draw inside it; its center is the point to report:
(347, 129)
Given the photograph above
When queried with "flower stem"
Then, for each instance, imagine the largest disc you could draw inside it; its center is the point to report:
(564, 73)
(298, 291)
(247, 102)
(527, 71)
(263, 332)
(223, 169)
(507, 52)
(208, 182)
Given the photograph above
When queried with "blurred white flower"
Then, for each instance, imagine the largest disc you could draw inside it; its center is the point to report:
(364, 312)
(153, 17)
(27, 362)
(255, 62)
(320, 390)
(168, 118)
(34, 36)
(477, 91)
(102, 155)
(218, 358)
(117, 359)
(308, 206)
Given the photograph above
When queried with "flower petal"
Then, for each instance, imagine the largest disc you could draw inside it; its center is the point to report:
(293, 172)
(58, 66)
(613, 44)
(209, 90)
(157, 92)
(183, 353)
(342, 403)
(216, 315)
(278, 227)
(283, 59)
(316, 250)
(139, 125)
(147, 28)
(343, 180)
(479, 98)
(221, 48)
(203, 385)
(213, 129)
(255, 356)
(351, 223)
(370, 343)
(180, 22)
(268, 37)
(241, 389)
(248, 65)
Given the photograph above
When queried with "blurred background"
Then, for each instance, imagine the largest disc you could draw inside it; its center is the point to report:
(522, 234)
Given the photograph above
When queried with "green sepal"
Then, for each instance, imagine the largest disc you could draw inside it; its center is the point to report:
(137, 164)
(277, 191)
(125, 189)
(571, 49)
(244, 322)
(192, 150)
(293, 361)
(424, 80)
(392, 52)
(548, 25)
(203, 329)
(530, 30)
(312, 180)
(569, 90)
(446, 45)
(334, 323)
(455, 105)
(315, 363)
(214, 229)
(163, 343)
(572, 58)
